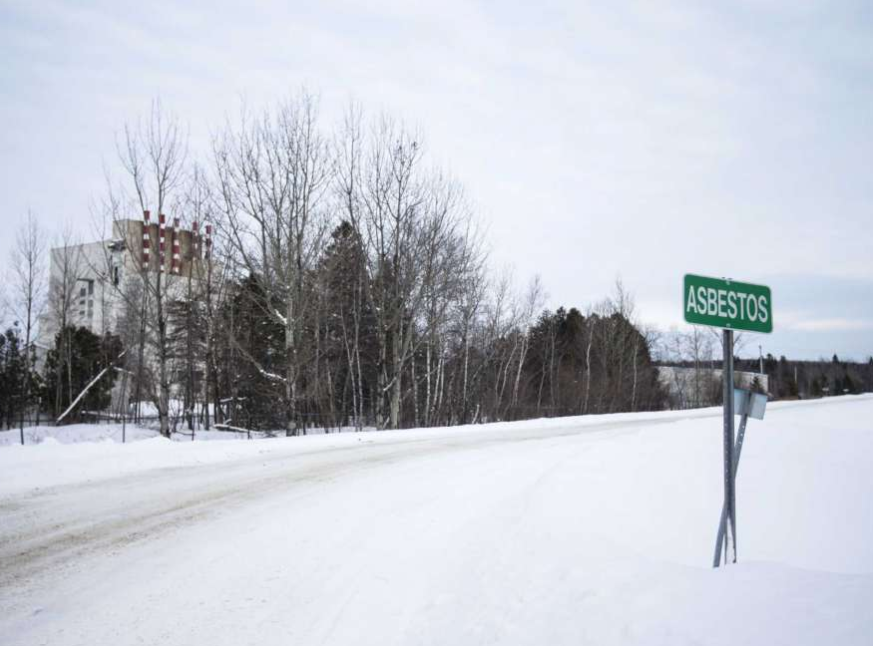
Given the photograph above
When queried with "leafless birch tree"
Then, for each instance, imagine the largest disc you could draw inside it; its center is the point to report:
(154, 154)
(273, 172)
(27, 267)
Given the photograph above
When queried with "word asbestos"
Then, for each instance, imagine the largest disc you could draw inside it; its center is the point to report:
(727, 304)
(720, 302)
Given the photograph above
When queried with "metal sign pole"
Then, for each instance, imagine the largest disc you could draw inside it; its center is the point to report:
(738, 449)
(729, 497)
(729, 305)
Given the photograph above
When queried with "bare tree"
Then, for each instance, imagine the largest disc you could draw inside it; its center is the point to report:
(66, 266)
(393, 202)
(528, 306)
(154, 155)
(206, 288)
(348, 186)
(470, 309)
(699, 350)
(410, 221)
(500, 338)
(27, 266)
(272, 173)
(690, 377)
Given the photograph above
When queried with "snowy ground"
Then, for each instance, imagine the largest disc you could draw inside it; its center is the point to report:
(595, 530)
(115, 432)
(112, 432)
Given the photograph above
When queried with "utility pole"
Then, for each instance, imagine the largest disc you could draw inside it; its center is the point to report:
(760, 360)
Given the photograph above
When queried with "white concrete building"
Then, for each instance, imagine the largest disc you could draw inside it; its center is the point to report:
(85, 280)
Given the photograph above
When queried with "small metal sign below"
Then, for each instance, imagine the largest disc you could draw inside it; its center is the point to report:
(747, 402)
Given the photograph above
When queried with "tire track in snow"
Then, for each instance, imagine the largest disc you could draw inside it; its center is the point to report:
(63, 527)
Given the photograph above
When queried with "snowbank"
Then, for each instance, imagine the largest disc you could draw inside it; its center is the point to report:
(594, 530)
(64, 455)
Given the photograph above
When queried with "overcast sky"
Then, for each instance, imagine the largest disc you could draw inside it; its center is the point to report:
(597, 140)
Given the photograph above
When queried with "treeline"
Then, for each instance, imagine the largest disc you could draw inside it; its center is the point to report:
(691, 363)
(29, 395)
(14, 375)
(565, 363)
(805, 379)
(347, 285)
(487, 366)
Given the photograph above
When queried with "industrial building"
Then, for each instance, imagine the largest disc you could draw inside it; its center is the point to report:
(86, 280)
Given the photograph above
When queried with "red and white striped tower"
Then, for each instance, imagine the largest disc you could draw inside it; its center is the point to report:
(162, 236)
(208, 241)
(146, 243)
(177, 256)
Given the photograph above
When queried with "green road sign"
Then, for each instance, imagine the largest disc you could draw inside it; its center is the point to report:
(727, 304)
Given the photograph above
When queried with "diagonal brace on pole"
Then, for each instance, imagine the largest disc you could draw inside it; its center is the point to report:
(722, 526)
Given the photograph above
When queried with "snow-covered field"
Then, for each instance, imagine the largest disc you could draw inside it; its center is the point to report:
(595, 530)
(113, 432)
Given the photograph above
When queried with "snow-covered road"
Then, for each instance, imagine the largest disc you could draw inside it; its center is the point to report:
(580, 530)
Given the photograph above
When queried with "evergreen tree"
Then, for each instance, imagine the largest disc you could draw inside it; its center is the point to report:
(20, 384)
(12, 372)
(756, 385)
(253, 359)
(87, 355)
(849, 384)
(868, 379)
(347, 337)
(604, 361)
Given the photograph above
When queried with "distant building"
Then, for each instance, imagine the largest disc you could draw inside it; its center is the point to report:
(87, 278)
(690, 387)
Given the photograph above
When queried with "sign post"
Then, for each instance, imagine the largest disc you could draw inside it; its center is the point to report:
(730, 499)
(728, 305)
(746, 404)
